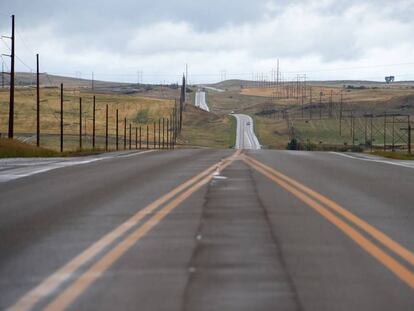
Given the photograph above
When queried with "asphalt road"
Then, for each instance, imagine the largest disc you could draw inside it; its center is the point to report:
(245, 136)
(200, 100)
(210, 230)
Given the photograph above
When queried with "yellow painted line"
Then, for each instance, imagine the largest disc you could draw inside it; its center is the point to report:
(371, 230)
(393, 265)
(63, 274)
(65, 299)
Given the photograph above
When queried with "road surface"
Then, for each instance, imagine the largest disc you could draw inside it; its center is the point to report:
(210, 230)
(200, 100)
(245, 136)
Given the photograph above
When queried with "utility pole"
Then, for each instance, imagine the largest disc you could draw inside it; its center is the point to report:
(11, 103)
(37, 102)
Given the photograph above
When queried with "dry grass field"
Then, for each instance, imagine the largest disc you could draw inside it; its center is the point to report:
(138, 110)
(349, 95)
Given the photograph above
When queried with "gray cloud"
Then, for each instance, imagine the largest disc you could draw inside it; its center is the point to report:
(239, 36)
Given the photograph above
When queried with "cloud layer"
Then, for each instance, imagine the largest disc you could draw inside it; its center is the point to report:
(359, 38)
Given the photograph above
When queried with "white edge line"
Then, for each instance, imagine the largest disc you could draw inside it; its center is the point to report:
(56, 165)
(370, 160)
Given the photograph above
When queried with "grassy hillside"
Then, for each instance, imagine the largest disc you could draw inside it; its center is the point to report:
(204, 129)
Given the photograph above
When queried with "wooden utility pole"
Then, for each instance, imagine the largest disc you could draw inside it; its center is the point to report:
(37, 102)
(11, 103)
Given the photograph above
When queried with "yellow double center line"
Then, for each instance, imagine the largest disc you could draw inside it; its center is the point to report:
(325, 206)
(81, 283)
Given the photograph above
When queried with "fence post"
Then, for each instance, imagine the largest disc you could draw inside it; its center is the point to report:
(155, 136)
(163, 133)
(80, 123)
(147, 136)
(385, 131)
(37, 102)
(409, 135)
(168, 134)
(136, 138)
(125, 130)
(106, 128)
(140, 138)
(93, 123)
(372, 142)
(61, 117)
(130, 129)
(393, 133)
(117, 131)
(159, 133)
(340, 115)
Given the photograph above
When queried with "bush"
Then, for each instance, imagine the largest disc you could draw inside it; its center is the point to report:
(293, 144)
(143, 116)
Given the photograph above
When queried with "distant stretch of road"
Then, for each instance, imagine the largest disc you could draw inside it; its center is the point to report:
(207, 229)
(200, 100)
(245, 136)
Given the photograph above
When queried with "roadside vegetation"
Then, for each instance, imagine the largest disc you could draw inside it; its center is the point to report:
(205, 129)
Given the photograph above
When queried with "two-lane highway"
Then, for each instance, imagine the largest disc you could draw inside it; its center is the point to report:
(245, 136)
(210, 230)
(200, 100)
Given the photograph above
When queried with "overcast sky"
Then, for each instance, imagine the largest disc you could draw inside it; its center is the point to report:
(324, 39)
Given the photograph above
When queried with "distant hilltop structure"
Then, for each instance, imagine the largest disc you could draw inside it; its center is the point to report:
(389, 79)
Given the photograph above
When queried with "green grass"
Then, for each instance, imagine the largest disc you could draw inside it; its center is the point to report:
(394, 155)
(272, 134)
(204, 129)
